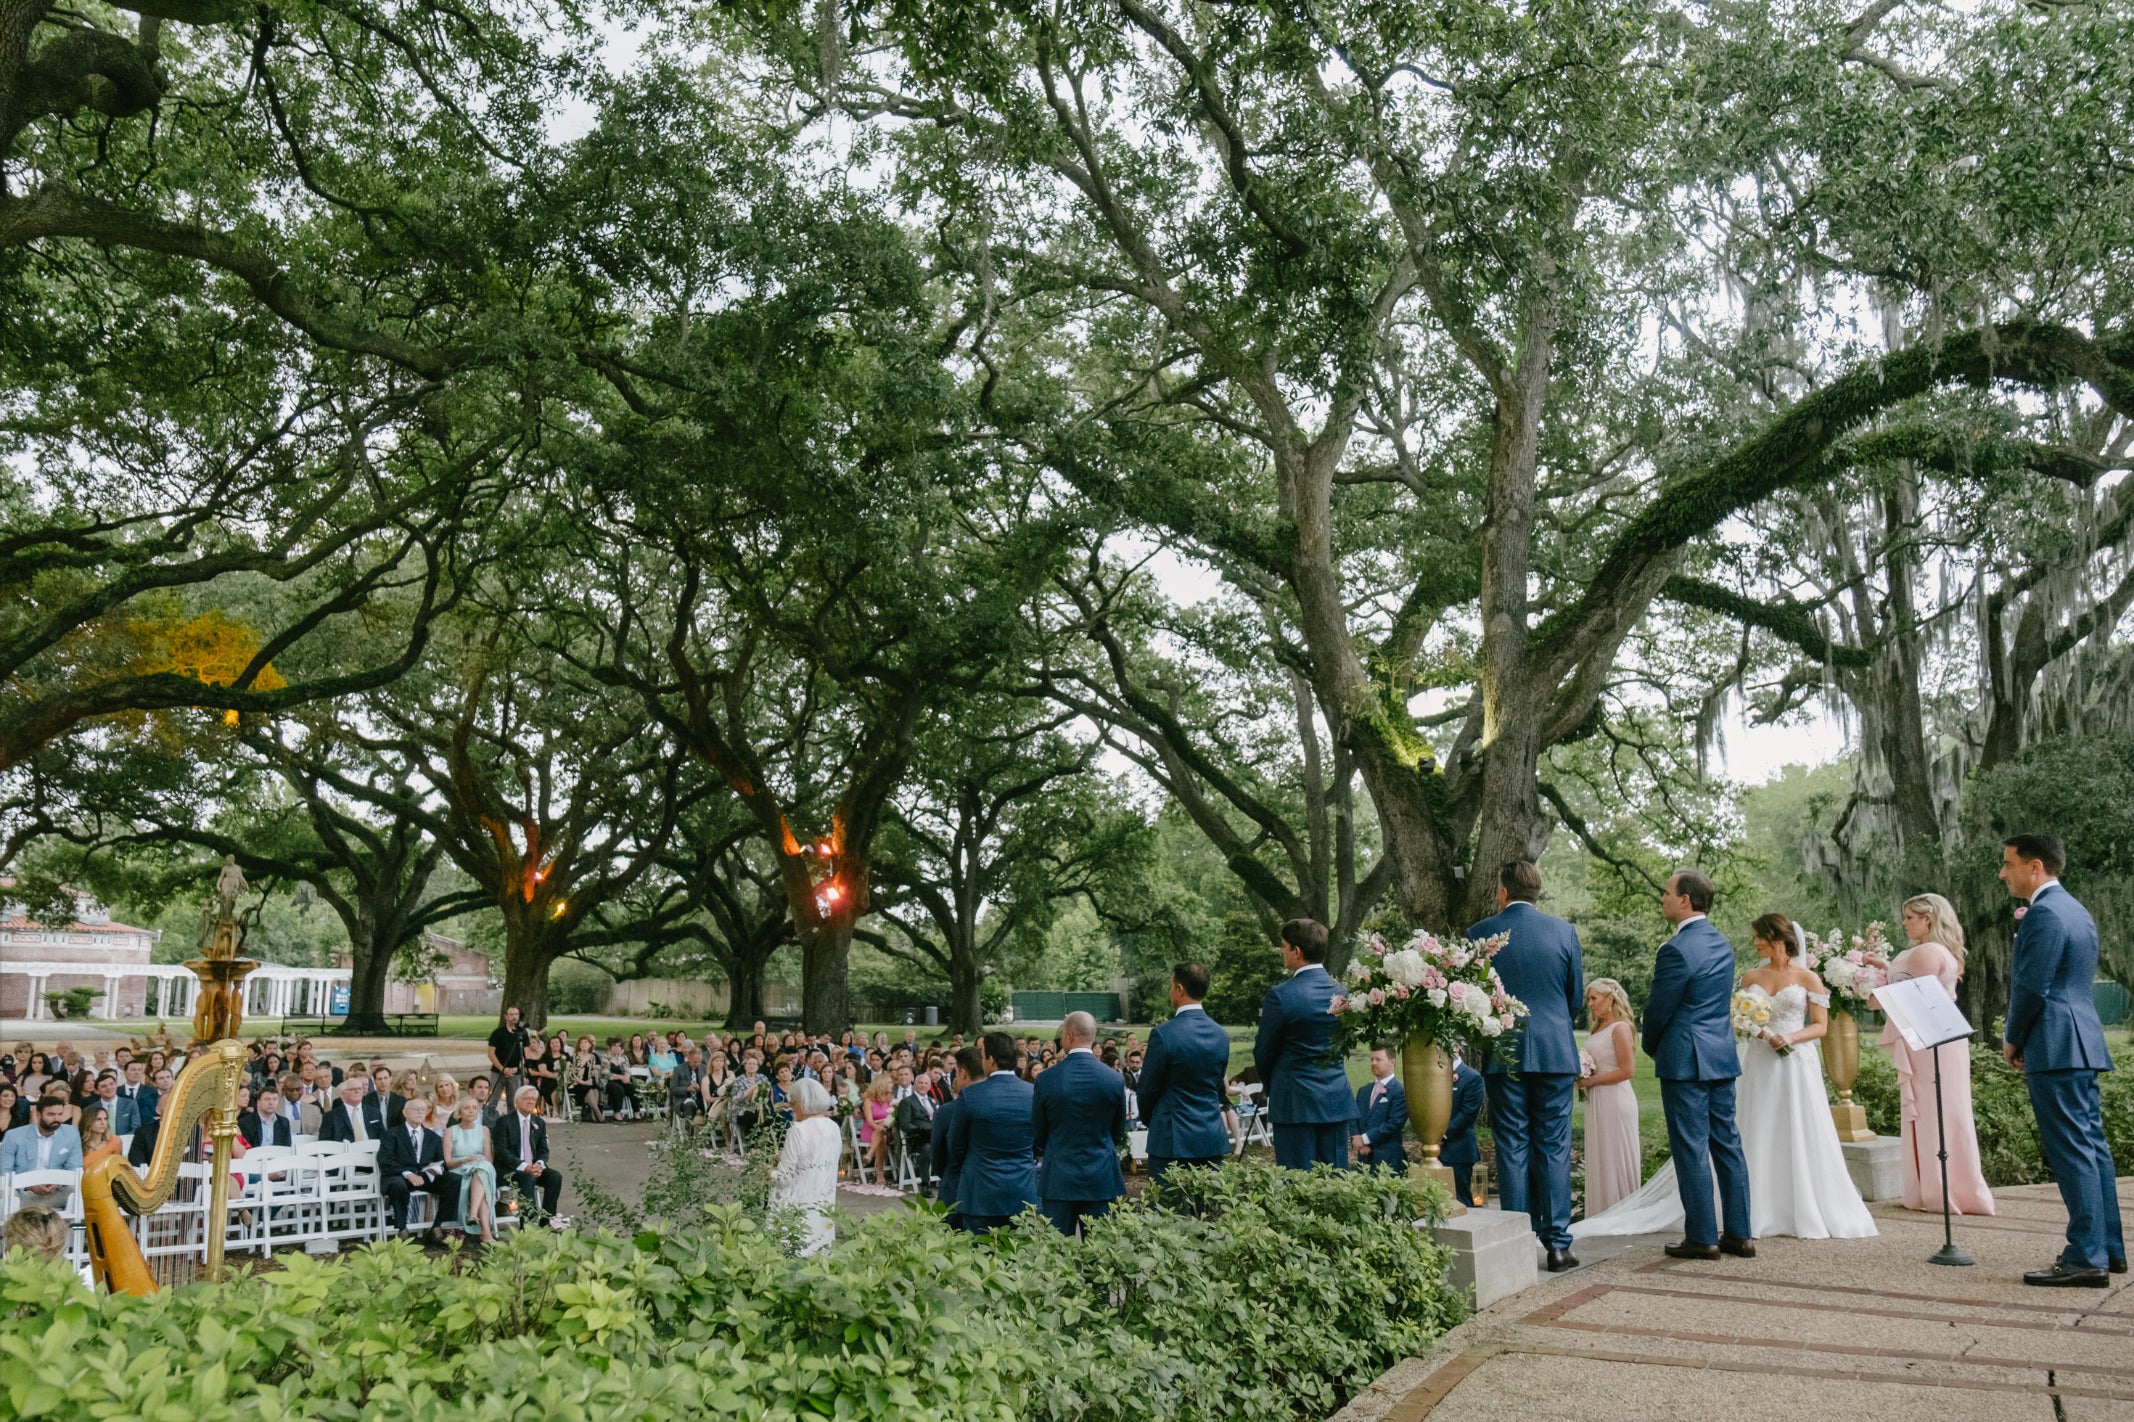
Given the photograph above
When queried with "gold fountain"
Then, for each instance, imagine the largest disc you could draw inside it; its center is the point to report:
(205, 1096)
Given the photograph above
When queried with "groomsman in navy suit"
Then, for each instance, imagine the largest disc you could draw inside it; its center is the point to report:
(989, 1143)
(1459, 1151)
(1533, 1074)
(970, 1067)
(1689, 1034)
(1078, 1122)
(2053, 1036)
(1381, 1114)
(1180, 1086)
(1307, 1086)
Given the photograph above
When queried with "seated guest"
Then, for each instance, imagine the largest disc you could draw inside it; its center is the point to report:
(98, 1139)
(478, 1092)
(913, 1122)
(134, 1086)
(684, 1102)
(39, 1230)
(1459, 1151)
(751, 1090)
(47, 1143)
(14, 1111)
(303, 1116)
(125, 1116)
(390, 1102)
(541, 1074)
(622, 1088)
(519, 1149)
(1078, 1122)
(266, 1124)
(990, 1144)
(1381, 1116)
(585, 1081)
(411, 1161)
(357, 1116)
(877, 1106)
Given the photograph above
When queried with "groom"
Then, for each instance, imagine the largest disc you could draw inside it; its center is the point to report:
(1689, 1036)
(2054, 1038)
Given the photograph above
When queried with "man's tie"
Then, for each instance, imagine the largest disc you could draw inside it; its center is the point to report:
(525, 1141)
(1378, 1093)
(355, 1121)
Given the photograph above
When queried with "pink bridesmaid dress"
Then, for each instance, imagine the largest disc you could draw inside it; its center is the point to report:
(1968, 1194)
(1614, 1160)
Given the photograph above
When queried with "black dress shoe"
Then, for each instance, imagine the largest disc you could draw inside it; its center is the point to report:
(2063, 1276)
(1739, 1248)
(1686, 1250)
(1560, 1260)
(2117, 1264)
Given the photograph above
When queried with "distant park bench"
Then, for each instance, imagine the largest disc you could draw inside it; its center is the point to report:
(398, 1024)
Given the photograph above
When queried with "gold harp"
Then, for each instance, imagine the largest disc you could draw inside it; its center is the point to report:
(207, 1089)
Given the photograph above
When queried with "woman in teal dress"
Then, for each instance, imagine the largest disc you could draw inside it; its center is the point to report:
(467, 1156)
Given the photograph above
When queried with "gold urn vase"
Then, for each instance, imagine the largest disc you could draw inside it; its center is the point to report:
(1426, 1075)
(1841, 1063)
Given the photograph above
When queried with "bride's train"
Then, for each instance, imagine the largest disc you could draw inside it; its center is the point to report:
(1798, 1184)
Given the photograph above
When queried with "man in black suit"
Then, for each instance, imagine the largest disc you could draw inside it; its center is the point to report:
(136, 1089)
(266, 1124)
(355, 1117)
(390, 1102)
(411, 1160)
(519, 1147)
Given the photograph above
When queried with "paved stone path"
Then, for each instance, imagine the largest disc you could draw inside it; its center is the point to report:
(1809, 1329)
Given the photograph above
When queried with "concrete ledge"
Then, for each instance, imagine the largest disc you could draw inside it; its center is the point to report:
(1876, 1167)
(1493, 1254)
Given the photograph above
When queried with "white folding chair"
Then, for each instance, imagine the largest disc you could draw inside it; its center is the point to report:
(294, 1200)
(1137, 1148)
(179, 1227)
(910, 1168)
(22, 1190)
(358, 1206)
(862, 1168)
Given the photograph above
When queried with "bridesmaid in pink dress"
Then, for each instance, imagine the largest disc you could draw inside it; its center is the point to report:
(1614, 1158)
(1937, 951)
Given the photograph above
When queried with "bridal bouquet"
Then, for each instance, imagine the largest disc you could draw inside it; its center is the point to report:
(1442, 989)
(1844, 966)
(1751, 1014)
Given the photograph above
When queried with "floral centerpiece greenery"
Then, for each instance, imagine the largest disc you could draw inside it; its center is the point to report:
(1443, 990)
(1851, 968)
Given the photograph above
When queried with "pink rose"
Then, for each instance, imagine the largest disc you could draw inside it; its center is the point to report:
(1506, 1020)
(1856, 956)
(1338, 1005)
(1378, 997)
(1400, 991)
(2020, 910)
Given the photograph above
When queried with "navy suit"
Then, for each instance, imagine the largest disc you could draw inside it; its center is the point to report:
(1380, 1121)
(1181, 1092)
(1460, 1150)
(945, 1181)
(1689, 1035)
(990, 1152)
(1307, 1089)
(125, 1116)
(1533, 1073)
(1077, 1120)
(2053, 1026)
(334, 1124)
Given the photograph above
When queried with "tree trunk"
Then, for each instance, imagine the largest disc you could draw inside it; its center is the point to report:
(744, 979)
(367, 973)
(966, 1012)
(825, 995)
(528, 955)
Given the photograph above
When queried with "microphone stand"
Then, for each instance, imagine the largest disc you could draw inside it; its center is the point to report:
(1948, 1253)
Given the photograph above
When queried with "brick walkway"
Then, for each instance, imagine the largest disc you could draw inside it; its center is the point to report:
(1808, 1329)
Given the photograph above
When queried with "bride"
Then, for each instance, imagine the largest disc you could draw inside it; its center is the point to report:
(1797, 1179)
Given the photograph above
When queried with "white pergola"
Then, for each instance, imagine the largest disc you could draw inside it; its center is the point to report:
(273, 989)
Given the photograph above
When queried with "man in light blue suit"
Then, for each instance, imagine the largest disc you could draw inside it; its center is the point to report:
(2054, 1038)
(1307, 1087)
(1689, 1034)
(44, 1142)
(989, 1145)
(1180, 1087)
(1532, 1075)
(1381, 1115)
(1077, 1123)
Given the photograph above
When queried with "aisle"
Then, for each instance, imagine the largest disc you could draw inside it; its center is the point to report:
(1806, 1330)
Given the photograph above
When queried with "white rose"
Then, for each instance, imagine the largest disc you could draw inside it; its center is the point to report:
(1359, 970)
(1437, 997)
(1405, 967)
(1477, 1005)
(1490, 1027)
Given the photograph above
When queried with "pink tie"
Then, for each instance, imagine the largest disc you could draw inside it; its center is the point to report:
(1378, 1093)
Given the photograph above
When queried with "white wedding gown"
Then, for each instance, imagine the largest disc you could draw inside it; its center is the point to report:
(1797, 1180)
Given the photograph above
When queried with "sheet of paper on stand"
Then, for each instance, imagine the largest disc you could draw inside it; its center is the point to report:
(1923, 1012)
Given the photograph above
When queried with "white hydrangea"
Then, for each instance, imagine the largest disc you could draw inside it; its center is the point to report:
(1490, 1027)
(1405, 967)
(1437, 997)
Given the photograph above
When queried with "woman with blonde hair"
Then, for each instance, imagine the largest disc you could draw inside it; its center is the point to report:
(1614, 1154)
(1937, 950)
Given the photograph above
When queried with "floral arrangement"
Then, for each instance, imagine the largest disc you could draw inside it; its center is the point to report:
(1441, 989)
(1851, 968)
(1751, 1014)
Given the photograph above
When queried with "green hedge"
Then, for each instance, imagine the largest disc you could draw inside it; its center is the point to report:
(1289, 1296)
(2008, 1148)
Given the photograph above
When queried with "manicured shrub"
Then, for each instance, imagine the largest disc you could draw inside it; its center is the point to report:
(1288, 1296)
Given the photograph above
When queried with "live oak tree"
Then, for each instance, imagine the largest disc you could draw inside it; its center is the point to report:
(1342, 298)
